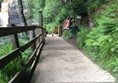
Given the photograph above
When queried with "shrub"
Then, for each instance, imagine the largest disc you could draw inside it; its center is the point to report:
(66, 34)
(102, 41)
(81, 36)
(11, 69)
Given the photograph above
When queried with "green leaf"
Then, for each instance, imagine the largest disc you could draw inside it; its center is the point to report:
(112, 49)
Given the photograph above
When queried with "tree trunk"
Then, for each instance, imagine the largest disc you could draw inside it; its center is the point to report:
(90, 20)
(21, 12)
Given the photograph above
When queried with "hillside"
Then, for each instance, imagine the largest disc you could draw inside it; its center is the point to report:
(101, 42)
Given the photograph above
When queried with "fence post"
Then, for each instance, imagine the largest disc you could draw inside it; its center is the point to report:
(15, 40)
(40, 19)
(39, 31)
(59, 30)
(32, 35)
(41, 23)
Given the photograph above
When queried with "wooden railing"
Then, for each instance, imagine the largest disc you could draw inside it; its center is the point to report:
(38, 41)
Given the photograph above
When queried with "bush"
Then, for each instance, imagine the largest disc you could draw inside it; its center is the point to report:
(8, 72)
(11, 69)
(81, 37)
(102, 41)
(66, 34)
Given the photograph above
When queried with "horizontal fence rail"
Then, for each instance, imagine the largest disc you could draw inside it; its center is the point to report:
(5, 31)
(38, 41)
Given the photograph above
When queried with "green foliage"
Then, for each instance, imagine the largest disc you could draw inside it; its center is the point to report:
(50, 27)
(11, 69)
(103, 38)
(92, 4)
(26, 54)
(101, 43)
(63, 13)
(81, 36)
(4, 49)
(51, 10)
(66, 34)
(55, 11)
(23, 39)
(7, 73)
(35, 6)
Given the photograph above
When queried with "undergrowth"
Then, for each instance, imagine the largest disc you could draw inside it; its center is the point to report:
(14, 66)
(66, 34)
(101, 43)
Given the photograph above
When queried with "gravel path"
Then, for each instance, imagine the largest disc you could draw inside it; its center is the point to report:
(60, 62)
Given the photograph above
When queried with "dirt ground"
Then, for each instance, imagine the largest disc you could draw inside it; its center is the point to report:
(72, 41)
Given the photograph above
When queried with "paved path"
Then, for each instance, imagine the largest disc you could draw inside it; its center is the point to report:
(60, 62)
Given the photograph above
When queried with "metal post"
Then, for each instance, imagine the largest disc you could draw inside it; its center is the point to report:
(32, 35)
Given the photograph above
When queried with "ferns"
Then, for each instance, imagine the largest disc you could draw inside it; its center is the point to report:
(81, 36)
(102, 41)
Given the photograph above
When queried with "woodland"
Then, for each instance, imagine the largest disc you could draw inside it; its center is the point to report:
(97, 37)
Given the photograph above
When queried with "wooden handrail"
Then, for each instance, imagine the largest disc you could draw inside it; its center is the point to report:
(8, 58)
(5, 31)
(33, 59)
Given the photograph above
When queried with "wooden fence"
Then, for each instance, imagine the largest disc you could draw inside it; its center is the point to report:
(23, 76)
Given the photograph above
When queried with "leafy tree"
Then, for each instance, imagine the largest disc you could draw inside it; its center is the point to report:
(51, 10)
(35, 6)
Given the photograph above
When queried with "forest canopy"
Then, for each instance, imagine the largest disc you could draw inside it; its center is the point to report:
(55, 11)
